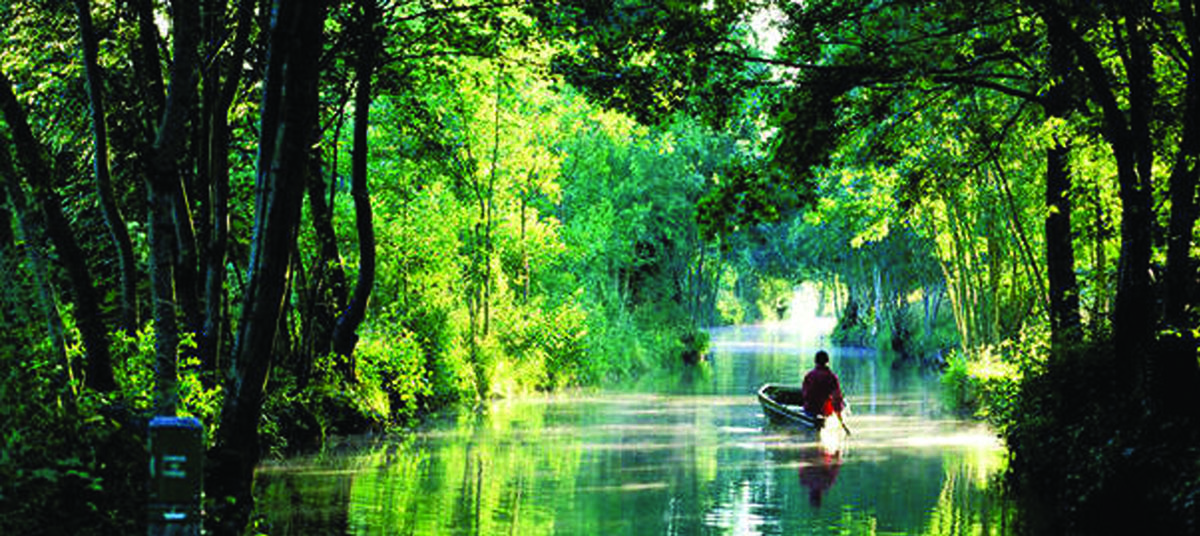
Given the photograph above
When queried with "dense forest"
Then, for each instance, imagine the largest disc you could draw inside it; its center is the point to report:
(298, 219)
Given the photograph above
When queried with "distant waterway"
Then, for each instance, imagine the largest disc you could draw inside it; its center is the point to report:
(684, 455)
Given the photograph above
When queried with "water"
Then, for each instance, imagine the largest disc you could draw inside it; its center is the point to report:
(690, 455)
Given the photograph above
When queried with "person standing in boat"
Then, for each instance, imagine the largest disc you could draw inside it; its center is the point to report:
(821, 391)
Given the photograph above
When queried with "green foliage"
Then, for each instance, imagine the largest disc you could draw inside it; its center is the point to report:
(68, 457)
(530, 240)
(1086, 455)
(544, 345)
(421, 357)
(615, 346)
(1089, 457)
(527, 239)
(396, 365)
(626, 55)
(133, 363)
(986, 384)
(747, 195)
(302, 416)
(853, 329)
(731, 308)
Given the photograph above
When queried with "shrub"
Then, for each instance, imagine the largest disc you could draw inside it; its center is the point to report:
(396, 366)
(69, 457)
(1087, 456)
(133, 368)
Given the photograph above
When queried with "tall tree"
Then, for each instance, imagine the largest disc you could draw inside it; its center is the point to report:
(33, 234)
(222, 78)
(163, 189)
(89, 42)
(40, 177)
(1127, 132)
(288, 123)
(1128, 103)
(1180, 295)
(1060, 250)
(166, 160)
(344, 336)
(324, 283)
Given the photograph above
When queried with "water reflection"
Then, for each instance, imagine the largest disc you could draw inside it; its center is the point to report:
(698, 461)
(818, 471)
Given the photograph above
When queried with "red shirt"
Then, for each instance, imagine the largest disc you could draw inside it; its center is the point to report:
(821, 385)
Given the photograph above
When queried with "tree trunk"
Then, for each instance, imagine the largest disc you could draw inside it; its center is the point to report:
(162, 286)
(58, 229)
(1175, 364)
(32, 233)
(1060, 250)
(525, 195)
(486, 207)
(876, 300)
(167, 171)
(327, 281)
(165, 193)
(1101, 233)
(288, 121)
(187, 256)
(146, 65)
(1128, 135)
(344, 335)
(1134, 316)
(1182, 185)
(212, 338)
(130, 314)
(996, 255)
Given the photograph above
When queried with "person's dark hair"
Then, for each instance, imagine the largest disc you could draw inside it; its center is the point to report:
(822, 357)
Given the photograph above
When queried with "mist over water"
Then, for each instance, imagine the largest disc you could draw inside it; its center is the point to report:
(689, 455)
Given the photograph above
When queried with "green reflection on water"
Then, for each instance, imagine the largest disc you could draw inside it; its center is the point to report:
(698, 461)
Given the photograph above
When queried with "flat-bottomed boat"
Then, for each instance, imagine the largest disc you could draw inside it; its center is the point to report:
(782, 405)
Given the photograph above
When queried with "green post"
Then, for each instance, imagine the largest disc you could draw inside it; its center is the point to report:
(176, 476)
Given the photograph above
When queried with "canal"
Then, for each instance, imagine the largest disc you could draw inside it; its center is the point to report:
(687, 455)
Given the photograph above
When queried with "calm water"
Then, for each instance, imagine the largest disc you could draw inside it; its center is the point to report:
(686, 456)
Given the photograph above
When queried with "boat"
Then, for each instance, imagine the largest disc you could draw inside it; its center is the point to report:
(782, 405)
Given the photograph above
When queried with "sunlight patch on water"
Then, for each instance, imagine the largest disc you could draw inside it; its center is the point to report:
(625, 488)
(739, 430)
(638, 446)
(742, 347)
(738, 512)
(953, 440)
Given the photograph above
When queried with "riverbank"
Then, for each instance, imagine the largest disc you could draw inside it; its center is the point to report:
(1086, 457)
(1107, 461)
(77, 460)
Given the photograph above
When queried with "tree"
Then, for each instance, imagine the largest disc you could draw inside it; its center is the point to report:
(130, 317)
(32, 233)
(344, 335)
(1060, 251)
(288, 127)
(167, 209)
(1126, 109)
(221, 80)
(39, 175)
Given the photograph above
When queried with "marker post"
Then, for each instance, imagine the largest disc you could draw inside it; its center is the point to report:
(176, 476)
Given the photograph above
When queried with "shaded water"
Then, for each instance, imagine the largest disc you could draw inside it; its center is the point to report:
(688, 456)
